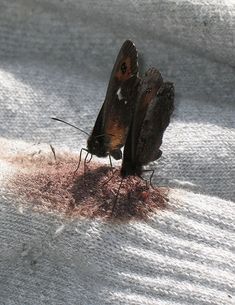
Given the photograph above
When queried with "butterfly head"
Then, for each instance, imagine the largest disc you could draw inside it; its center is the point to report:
(95, 146)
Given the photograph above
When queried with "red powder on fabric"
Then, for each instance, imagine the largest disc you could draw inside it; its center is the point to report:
(54, 186)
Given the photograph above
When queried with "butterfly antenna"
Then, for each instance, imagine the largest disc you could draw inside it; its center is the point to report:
(70, 125)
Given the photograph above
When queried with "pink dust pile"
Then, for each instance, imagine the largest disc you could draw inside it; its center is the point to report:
(90, 192)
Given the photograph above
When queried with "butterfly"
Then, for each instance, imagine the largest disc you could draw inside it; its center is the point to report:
(111, 126)
(154, 106)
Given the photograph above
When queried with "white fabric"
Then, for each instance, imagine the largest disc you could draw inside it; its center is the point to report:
(55, 60)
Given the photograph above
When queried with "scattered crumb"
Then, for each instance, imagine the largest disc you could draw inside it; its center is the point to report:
(53, 186)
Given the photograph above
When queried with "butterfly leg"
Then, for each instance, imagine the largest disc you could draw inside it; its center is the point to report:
(146, 181)
(85, 161)
(116, 198)
(107, 181)
(90, 159)
(80, 159)
(110, 161)
(84, 167)
(150, 179)
(151, 176)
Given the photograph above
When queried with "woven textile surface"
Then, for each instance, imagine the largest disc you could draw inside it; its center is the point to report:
(55, 60)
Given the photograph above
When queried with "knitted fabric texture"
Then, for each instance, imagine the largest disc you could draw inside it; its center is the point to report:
(55, 61)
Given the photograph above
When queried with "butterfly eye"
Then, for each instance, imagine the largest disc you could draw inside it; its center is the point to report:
(148, 90)
(123, 68)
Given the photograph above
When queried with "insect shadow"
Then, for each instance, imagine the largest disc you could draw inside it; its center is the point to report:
(135, 200)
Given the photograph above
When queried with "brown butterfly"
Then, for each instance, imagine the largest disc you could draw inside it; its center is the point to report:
(111, 126)
(155, 104)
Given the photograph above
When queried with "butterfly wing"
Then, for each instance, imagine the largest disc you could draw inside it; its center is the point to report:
(121, 98)
(156, 120)
(118, 118)
(110, 130)
(147, 90)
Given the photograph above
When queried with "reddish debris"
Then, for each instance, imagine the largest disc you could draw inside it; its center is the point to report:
(93, 192)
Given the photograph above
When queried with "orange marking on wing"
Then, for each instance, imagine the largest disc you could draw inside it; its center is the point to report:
(117, 135)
